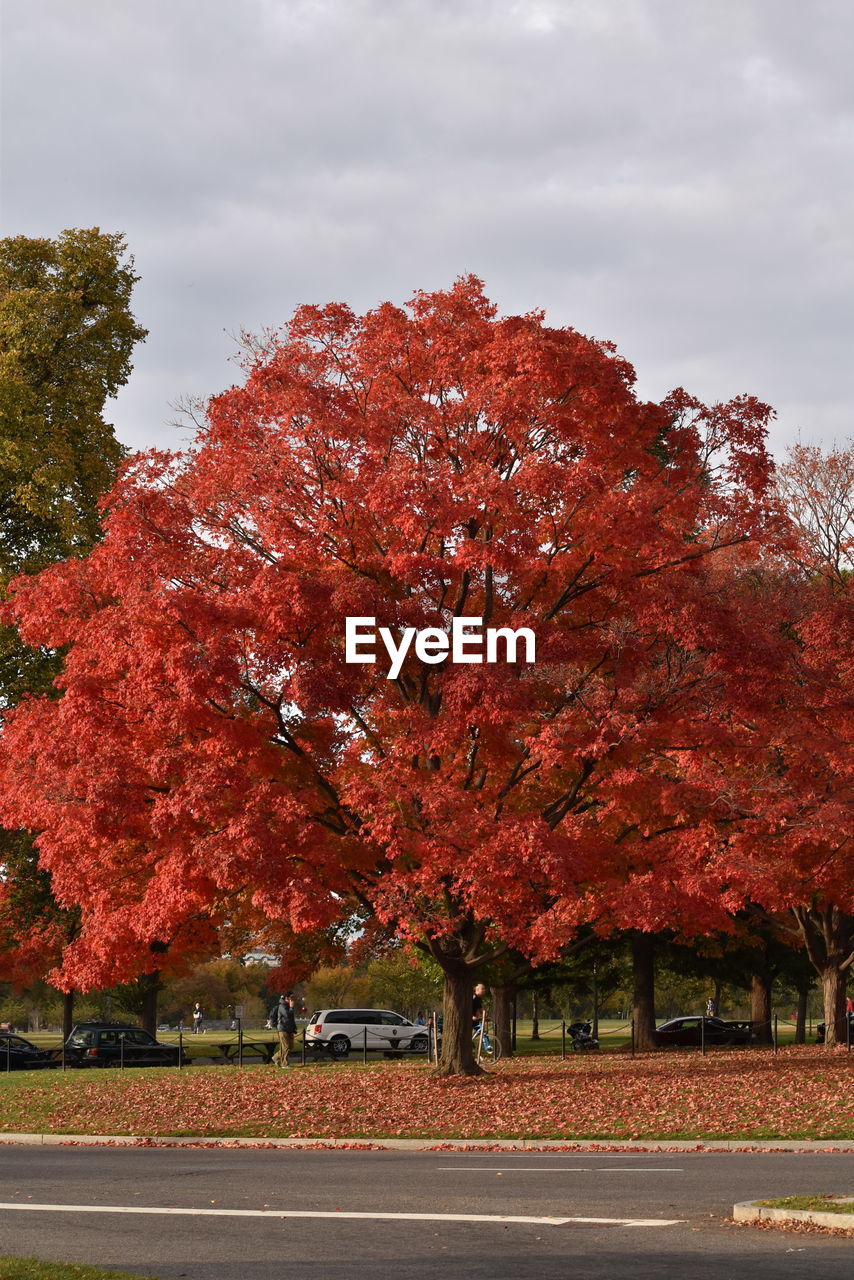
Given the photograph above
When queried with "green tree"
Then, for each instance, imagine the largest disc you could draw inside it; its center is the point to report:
(405, 982)
(338, 986)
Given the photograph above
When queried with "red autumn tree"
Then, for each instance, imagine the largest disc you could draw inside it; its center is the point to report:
(413, 466)
(803, 853)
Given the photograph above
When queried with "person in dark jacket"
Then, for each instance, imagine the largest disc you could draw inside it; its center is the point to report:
(286, 1025)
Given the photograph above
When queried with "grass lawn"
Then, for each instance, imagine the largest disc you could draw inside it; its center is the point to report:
(822, 1204)
(802, 1092)
(34, 1269)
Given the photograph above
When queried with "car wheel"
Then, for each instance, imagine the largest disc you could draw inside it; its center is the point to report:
(339, 1046)
(418, 1044)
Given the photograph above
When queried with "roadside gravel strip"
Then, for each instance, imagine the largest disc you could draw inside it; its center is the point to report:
(422, 1144)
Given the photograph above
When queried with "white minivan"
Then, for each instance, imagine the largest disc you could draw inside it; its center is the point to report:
(340, 1030)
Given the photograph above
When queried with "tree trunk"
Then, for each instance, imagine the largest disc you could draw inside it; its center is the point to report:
(760, 1007)
(828, 935)
(643, 1009)
(535, 1017)
(717, 996)
(801, 1016)
(150, 986)
(833, 990)
(67, 1014)
(457, 1050)
(502, 1003)
(595, 1029)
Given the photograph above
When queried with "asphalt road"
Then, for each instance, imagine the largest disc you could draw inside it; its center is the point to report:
(659, 1215)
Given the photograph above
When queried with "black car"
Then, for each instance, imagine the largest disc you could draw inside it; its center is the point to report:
(821, 1029)
(18, 1054)
(694, 1031)
(115, 1044)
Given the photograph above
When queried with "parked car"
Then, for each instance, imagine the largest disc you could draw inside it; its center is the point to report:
(340, 1030)
(821, 1029)
(694, 1030)
(109, 1044)
(19, 1054)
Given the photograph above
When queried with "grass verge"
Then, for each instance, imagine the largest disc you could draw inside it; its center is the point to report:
(818, 1203)
(35, 1269)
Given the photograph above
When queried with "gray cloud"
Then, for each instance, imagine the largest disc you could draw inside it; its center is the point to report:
(673, 175)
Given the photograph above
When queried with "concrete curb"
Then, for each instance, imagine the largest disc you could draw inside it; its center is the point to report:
(747, 1211)
(831, 1146)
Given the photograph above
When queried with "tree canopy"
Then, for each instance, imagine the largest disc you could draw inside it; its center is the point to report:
(213, 751)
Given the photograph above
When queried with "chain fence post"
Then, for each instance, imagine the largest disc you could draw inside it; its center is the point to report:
(563, 1040)
(633, 1037)
(775, 1034)
(122, 1050)
(240, 1042)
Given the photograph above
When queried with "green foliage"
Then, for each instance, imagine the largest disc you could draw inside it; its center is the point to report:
(66, 337)
(405, 983)
(215, 985)
(338, 986)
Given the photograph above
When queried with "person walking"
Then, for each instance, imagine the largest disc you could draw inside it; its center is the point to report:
(198, 1017)
(286, 1025)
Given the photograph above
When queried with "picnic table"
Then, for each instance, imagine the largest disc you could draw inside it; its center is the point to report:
(229, 1050)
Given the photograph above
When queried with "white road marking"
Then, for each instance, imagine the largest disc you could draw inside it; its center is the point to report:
(335, 1213)
(558, 1168)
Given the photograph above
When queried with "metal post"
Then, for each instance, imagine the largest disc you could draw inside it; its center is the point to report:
(180, 1046)
(302, 1050)
(847, 1031)
(240, 1042)
(9, 1053)
(775, 1033)
(63, 1055)
(633, 1037)
(122, 1050)
(365, 1045)
(703, 1037)
(563, 1040)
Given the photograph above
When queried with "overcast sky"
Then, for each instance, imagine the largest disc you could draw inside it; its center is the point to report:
(673, 175)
